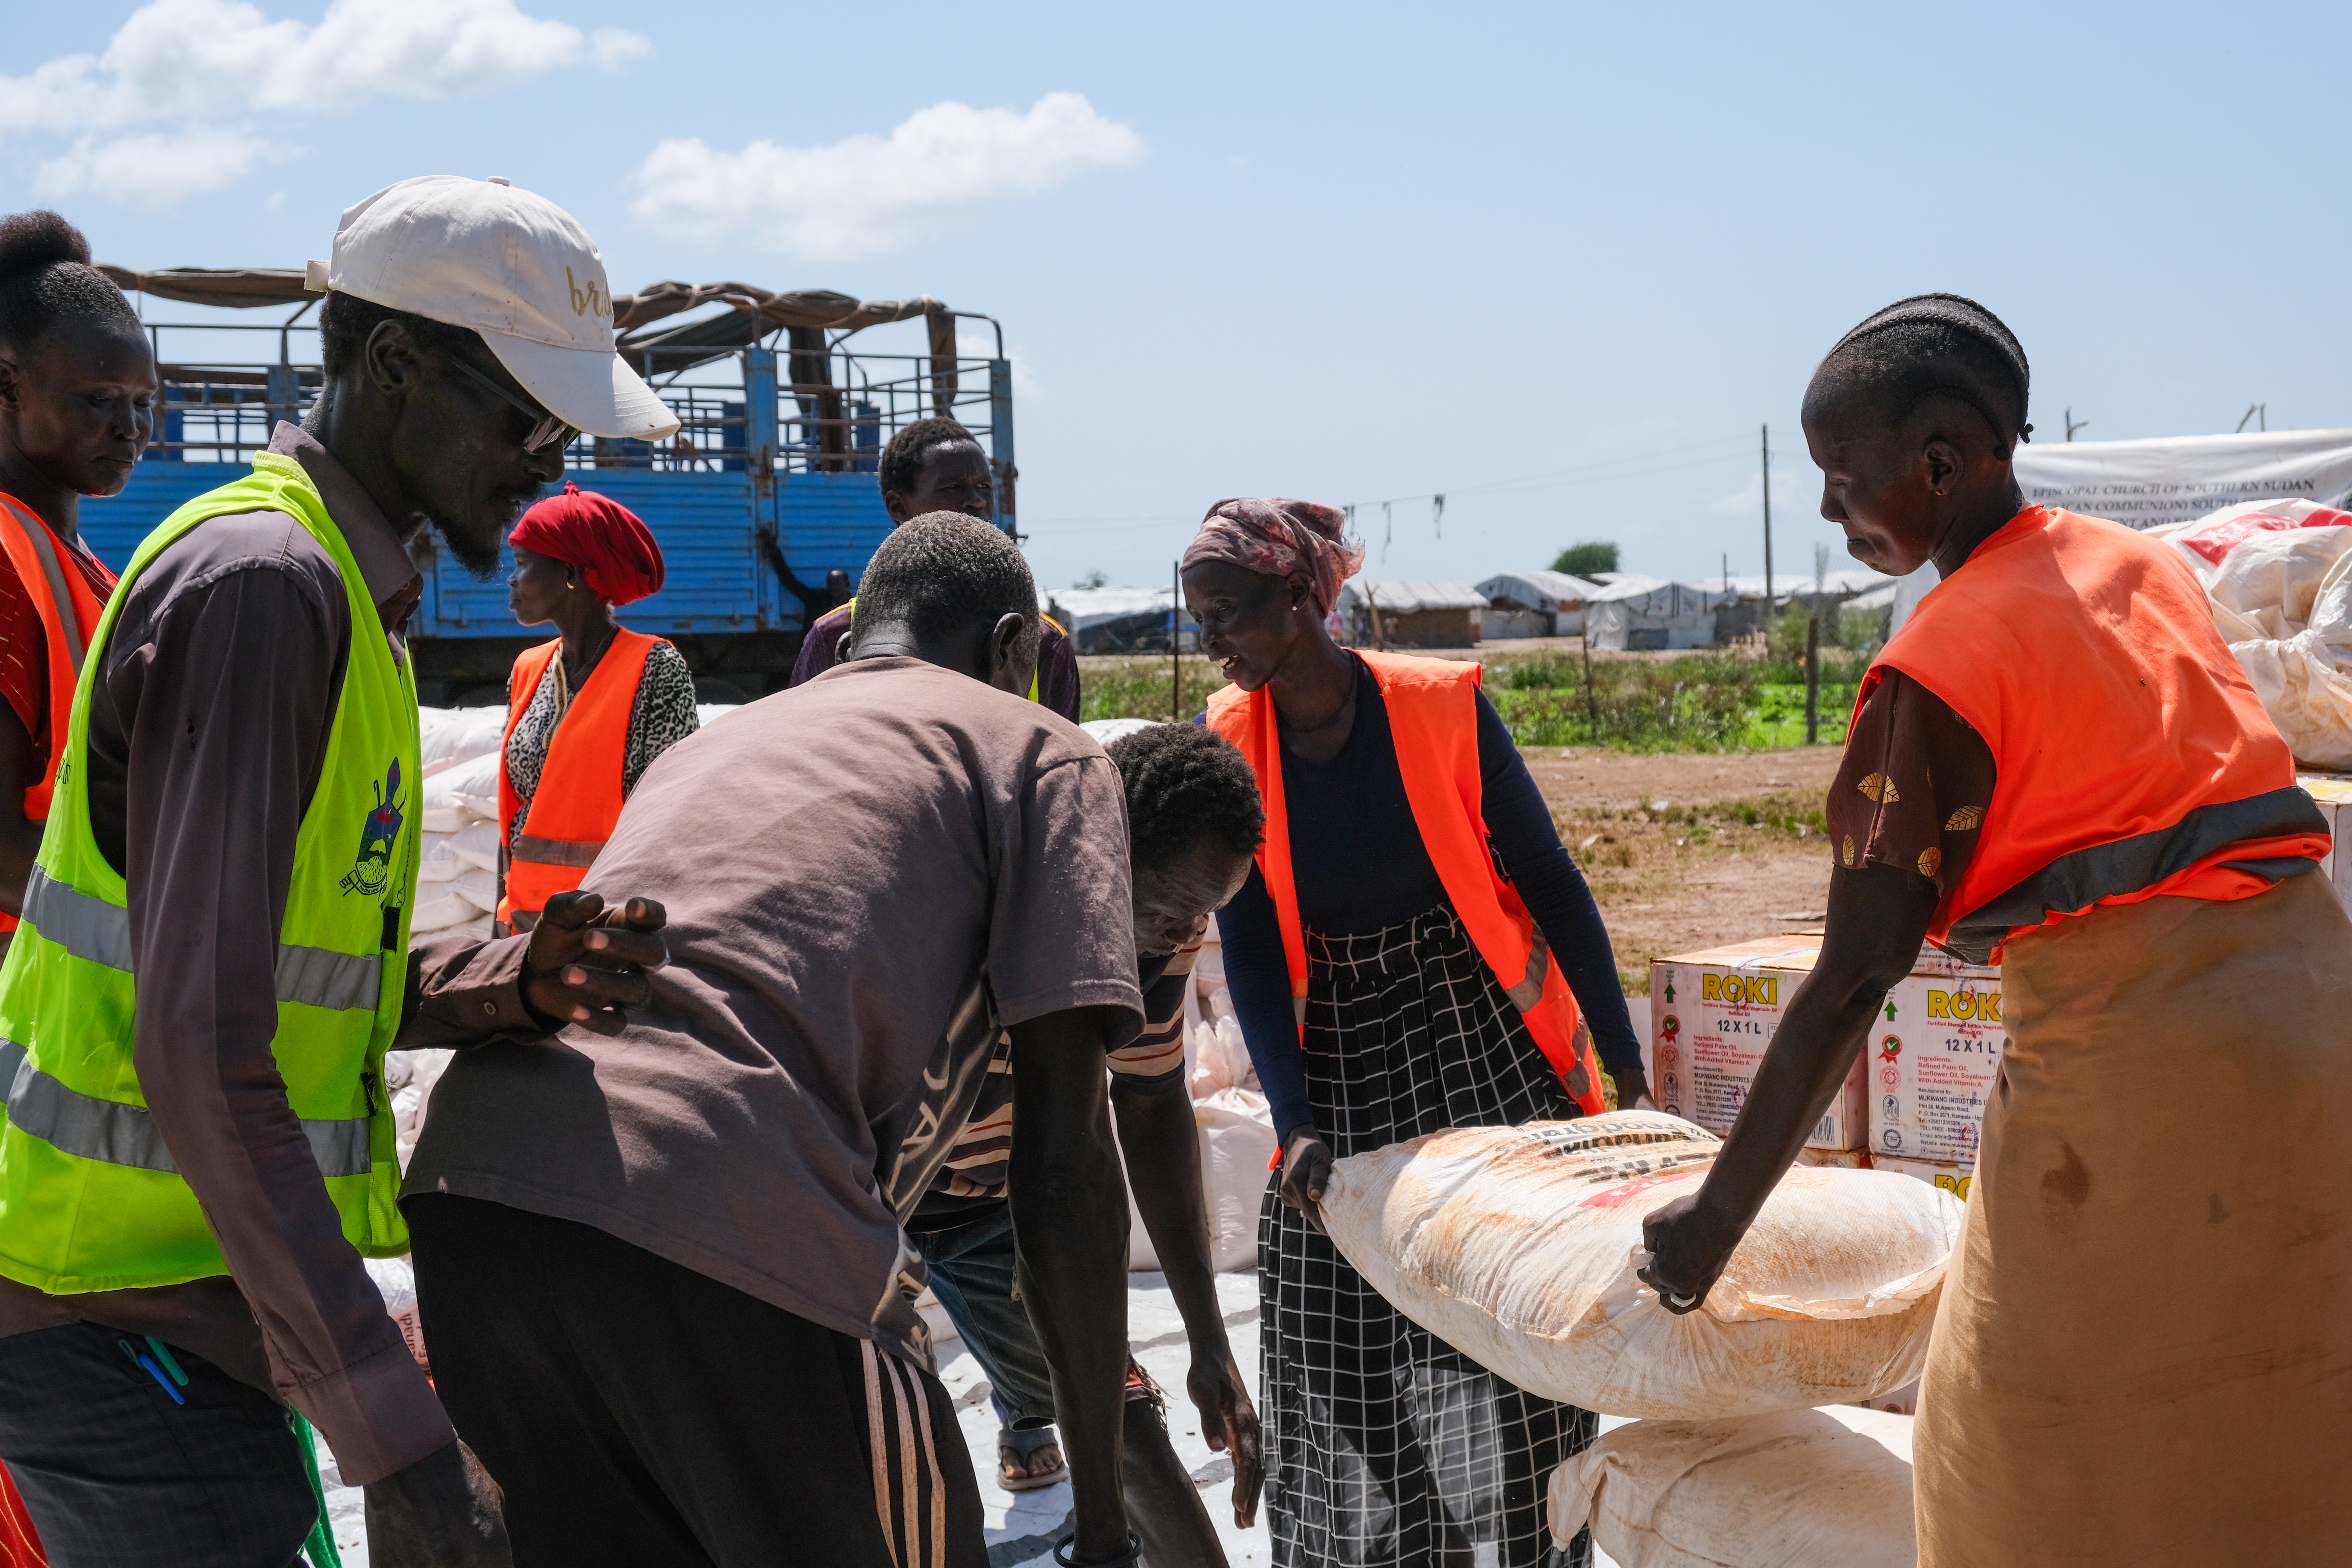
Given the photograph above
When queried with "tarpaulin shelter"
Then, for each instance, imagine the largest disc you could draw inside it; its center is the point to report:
(1631, 611)
(1534, 604)
(1415, 612)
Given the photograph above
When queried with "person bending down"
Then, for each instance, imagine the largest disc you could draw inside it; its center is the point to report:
(1193, 822)
(664, 1274)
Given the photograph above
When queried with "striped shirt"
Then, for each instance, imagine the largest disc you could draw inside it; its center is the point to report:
(975, 1174)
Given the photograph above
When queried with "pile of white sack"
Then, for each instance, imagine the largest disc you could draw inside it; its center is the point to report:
(2278, 575)
(457, 878)
(1519, 1245)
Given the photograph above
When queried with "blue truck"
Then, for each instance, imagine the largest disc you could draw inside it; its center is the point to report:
(766, 503)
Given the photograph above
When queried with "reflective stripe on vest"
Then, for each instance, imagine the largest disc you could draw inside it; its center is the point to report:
(579, 794)
(66, 609)
(1433, 724)
(118, 1134)
(90, 1198)
(98, 932)
(2131, 755)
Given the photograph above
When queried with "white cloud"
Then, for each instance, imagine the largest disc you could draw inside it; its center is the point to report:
(870, 193)
(154, 170)
(982, 345)
(1796, 492)
(175, 58)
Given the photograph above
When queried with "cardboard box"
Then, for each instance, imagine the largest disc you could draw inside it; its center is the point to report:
(1932, 1054)
(1953, 1178)
(1712, 1014)
(2333, 792)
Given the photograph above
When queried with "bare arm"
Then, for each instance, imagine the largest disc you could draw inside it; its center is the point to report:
(1069, 1222)
(1162, 1144)
(1878, 916)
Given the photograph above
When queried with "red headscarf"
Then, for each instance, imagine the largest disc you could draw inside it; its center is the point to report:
(615, 553)
(1278, 537)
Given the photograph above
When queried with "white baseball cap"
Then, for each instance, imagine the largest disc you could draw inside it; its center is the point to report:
(515, 268)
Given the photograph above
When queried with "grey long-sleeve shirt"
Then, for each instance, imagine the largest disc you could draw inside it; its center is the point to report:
(208, 728)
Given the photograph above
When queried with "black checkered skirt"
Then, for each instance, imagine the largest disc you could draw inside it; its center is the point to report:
(1388, 1446)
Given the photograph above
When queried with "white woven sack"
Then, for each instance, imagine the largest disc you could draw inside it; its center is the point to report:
(477, 888)
(1236, 1143)
(1519, 1246)
(436, 860)
(1794, 1488)
(441, 912)
(477, 844)
(459, 735)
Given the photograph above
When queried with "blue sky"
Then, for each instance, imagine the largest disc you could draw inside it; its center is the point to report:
(1556, 262)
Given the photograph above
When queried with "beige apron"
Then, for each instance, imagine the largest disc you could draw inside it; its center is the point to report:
(2144, 1351)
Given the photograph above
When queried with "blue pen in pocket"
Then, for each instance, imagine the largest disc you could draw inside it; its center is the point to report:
(147, 1363)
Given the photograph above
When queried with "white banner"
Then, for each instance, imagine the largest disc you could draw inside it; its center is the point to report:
(2147, 484)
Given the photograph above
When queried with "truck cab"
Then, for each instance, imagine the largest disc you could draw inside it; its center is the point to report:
(767, 503)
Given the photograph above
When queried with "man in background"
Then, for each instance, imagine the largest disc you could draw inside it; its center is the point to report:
(935, 465)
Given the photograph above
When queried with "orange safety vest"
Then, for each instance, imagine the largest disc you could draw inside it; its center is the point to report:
(1433, 722)
(38, 561)
(2131, 755)
(579, 796)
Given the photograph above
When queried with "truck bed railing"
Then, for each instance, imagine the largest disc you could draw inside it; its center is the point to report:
(220, 406)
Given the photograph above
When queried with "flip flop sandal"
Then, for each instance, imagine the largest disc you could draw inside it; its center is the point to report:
(1019, 1455)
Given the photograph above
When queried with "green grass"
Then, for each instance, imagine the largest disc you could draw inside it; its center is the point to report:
(1705, 701)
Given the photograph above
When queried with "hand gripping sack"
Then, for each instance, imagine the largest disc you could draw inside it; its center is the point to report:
(1796, 1488)
(1517, 1246)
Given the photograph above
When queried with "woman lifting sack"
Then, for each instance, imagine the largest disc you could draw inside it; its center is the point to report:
(587, 713)
(2057, 764)
(1414, 949)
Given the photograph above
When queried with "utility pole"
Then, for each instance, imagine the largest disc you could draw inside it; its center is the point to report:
(1176, 643)
(1768, 522)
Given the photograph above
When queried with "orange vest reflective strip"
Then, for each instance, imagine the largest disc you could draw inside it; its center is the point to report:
(579, 794)
(1433, 722)
(40, 564)
(2132, 756)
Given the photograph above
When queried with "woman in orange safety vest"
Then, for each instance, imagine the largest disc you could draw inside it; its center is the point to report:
(1414, 949)
(78, 396)
(2056, 765)
(587, 713)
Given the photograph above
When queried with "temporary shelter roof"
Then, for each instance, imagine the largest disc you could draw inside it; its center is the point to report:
(1654, 596)
(1409, 596)
(1084, 607)
(1539, 590)
(1844, 581)
(1879, 599)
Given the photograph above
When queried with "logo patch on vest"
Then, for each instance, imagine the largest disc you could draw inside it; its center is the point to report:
(378, 837)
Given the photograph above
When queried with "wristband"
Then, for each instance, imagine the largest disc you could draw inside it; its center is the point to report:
(1133, 1554)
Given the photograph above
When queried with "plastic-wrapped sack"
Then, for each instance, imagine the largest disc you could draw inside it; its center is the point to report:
(461, 795)
(456, 735)
(2279, 575)
(1236, 1143)
(1795, 1489)
(436, 858)
(477, 844)
(395, 1281)
(1518, 1246)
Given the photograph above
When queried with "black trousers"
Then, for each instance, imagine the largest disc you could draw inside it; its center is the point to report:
(637, 1413)
(117, 1474)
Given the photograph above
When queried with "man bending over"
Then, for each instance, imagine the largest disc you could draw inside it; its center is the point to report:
(663, 1274)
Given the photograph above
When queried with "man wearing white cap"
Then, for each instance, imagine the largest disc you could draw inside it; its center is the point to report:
(193, 1162)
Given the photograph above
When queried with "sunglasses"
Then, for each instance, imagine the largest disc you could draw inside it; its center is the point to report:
(547, 430)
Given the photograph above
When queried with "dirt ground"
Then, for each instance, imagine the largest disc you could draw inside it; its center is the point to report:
(1687, 851)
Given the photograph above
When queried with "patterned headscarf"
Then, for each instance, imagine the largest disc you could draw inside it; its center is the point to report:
(1278, 536)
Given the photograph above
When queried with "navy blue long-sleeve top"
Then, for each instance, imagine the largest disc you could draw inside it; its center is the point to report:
(1359, 865)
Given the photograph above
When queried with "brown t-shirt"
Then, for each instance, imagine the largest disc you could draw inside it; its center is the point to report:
(1914, 786)
(866, 877)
